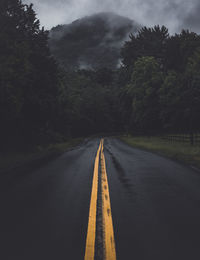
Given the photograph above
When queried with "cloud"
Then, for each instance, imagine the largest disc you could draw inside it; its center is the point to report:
(191, 20)
(175, 14)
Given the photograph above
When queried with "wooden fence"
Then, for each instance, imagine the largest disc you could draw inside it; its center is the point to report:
(193, 139)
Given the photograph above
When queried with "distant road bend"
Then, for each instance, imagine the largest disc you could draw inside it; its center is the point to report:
(102, 200)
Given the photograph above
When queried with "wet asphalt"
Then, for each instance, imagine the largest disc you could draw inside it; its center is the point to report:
(155, 206)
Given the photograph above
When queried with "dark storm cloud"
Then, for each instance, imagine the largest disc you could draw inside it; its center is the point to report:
(175, 14)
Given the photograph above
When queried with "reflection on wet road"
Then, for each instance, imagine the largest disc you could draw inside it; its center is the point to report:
(155, 205)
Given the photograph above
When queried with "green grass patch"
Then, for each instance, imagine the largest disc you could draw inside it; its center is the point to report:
(14, 159)
(178, 151)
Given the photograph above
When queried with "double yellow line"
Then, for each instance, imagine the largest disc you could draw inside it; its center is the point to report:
(108, 233)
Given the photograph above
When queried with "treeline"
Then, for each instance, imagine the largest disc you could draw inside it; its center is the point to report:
(39, 102)
(163, 81)
(29, 82)
(157, 88)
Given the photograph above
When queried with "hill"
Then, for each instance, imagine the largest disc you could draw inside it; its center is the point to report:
(92, 42)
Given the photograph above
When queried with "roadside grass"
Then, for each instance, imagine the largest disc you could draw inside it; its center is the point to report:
(11, 159)
(182, 152)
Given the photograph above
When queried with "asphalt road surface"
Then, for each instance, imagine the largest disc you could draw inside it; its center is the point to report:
(155, 204)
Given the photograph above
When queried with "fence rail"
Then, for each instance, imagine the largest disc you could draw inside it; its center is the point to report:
(193, 139)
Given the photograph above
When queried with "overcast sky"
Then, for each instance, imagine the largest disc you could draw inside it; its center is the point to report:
(175, 14)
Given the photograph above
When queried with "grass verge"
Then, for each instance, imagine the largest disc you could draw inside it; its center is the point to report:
(178, 151)
(13, 160)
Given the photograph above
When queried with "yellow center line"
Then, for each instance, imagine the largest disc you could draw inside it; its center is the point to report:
(91, 232)
(108, 232)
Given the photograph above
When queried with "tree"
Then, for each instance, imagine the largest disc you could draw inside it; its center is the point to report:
(192, 91)
(28, 74)
(147, 42)
(180, 97)
(88, 106)
(171, 102)
(179, 48)
(144, 88)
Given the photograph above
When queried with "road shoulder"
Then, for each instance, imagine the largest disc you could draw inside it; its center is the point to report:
(183, 153)
(22, 162)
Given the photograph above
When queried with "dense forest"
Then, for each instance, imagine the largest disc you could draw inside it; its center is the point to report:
(156, 90)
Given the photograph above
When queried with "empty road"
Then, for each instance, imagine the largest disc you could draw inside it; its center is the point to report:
(101, 200)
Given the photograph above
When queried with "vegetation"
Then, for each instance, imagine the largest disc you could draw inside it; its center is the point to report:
(28, 76)
(37, 156)
(163, 81)
(156, 90)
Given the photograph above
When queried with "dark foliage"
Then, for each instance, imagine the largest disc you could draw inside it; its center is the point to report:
(28, 75)
(157, 88)
(165, 99)
(147, 42)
